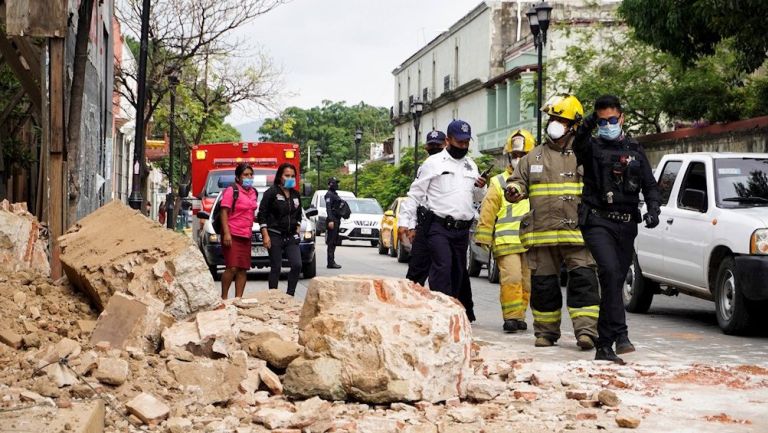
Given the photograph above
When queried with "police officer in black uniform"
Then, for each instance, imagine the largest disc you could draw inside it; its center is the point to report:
(616, 170)
(332, 221)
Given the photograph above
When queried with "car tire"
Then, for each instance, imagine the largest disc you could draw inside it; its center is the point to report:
(473, 266)
(309, 270)
(493, 270)
(402, 255)
(392, 250)
(382, 249)
(374, 244)
(730, 306)
(638, 290)
(214, 270)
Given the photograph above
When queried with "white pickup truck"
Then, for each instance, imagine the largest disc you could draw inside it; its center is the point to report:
(712, 241)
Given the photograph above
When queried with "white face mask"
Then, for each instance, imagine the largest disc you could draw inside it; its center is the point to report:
(514, 163)
(555, 130)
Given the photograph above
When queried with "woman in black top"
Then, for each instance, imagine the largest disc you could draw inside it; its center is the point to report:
(280, 220)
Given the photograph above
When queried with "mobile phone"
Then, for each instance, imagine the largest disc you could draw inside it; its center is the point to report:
(487, 171)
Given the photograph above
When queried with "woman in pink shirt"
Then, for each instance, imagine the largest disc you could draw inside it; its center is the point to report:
(236, 226)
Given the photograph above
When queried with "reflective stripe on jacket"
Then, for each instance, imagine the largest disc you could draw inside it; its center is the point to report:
(499, 222)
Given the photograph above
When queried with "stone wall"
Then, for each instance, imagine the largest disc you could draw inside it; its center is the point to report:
(749, 135)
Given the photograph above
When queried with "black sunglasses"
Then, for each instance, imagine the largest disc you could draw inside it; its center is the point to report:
(612, 120)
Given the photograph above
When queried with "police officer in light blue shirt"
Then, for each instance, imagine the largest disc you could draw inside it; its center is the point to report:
(448, 184)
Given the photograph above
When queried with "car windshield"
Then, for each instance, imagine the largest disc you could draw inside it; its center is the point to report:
(364, 206)
(219, 180)
(741, 182)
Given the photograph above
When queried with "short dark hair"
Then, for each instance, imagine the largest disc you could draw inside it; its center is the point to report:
(608, 101)
(240, 169)
(281, 169)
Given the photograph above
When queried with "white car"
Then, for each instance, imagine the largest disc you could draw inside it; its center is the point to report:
(364, 222)
(712, 240)
(318, 202)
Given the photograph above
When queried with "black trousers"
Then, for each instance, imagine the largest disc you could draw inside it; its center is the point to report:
(420, 262)
(448, 250)
(331, 239)
(612, 245)
(288, 247)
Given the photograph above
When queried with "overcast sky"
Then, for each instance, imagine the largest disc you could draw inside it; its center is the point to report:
(345, 50)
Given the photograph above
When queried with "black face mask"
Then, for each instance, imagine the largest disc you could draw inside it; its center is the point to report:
(457, 153)
(333, 186)
(434, 150)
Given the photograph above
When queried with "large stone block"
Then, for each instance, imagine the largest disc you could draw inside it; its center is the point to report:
(22, 245)
(211, 381)
(210, 333)
(130, 322)
(116, 249)
(380, 340)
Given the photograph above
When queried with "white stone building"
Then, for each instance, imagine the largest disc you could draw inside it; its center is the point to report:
(483, 70)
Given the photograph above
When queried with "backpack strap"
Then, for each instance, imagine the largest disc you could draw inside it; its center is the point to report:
(235, 195)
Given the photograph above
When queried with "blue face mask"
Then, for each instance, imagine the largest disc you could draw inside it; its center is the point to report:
(248, 182)
(289, 183)
(609, 132)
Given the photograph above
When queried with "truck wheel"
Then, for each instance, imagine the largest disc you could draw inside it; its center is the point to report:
(309, 270)
(473, 266)
(214, 272)
(382, 249)
(392, 250)
(374, 243)
(493, 270)
(730, 305)
(638, 291)
(402, 255)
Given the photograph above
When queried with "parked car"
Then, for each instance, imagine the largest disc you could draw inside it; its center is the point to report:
(318, 202)
(389, 242)
(712, 242)
(479, 257)
(364, 223)
(210, 243)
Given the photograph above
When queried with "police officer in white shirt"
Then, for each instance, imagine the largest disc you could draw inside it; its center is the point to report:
(448, 183)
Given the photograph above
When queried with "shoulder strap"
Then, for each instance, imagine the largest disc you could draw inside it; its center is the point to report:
(235, 194)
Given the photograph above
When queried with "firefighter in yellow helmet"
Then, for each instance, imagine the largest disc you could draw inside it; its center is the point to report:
(499, 229)
(549, 177)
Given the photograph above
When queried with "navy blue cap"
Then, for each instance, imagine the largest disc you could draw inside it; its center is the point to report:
(435, 137)
(460, 130)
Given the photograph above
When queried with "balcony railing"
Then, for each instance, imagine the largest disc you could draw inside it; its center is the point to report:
(494, 139)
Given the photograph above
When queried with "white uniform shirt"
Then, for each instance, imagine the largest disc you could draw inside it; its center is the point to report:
(446, 186)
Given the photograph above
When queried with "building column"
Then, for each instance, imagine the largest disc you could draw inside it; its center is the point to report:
(491, 109)
(513, 98)
(501, 105)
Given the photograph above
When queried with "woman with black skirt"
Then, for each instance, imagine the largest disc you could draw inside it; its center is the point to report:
(280, 220)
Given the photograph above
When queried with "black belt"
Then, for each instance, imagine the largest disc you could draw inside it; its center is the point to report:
(452, 224)
(613, 215)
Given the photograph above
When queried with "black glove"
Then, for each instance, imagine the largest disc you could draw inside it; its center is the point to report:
(590, 122)
(651, 217)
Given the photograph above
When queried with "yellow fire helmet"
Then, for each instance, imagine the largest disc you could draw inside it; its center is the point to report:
(521, 140)
(564, 106)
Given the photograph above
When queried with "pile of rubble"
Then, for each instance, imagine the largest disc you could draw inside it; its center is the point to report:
(361, 354)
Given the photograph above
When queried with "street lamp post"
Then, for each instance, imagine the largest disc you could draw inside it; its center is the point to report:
(135, 199)
(358, 138)
(538, 19)
(170, 201)
(416, 108)
(318, 154)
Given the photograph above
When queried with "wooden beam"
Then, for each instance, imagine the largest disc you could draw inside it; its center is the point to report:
(32, 18)
(30, 53)
(56, 133)
(11, 105)
(30, 84)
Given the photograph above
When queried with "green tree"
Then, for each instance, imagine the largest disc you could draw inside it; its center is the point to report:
(330, 128)
(692, 29)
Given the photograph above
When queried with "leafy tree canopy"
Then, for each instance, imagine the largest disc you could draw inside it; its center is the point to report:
(691, 29)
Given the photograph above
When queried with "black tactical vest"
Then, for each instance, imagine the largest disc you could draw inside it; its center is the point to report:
(619, 172)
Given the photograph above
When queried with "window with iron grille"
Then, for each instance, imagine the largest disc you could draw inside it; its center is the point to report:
(447, 83)
(425, 94)
(400, 108)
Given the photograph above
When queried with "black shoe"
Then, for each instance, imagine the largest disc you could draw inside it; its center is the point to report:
(607, 354)
(521, 325)
(471, 315)
(623, 345)
(334, 266)
(510, 325)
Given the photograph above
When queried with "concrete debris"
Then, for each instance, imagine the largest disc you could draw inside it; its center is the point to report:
(23, 240)
(210, 333)
(481, 389)
(394, 341)
(277, 352)
(271, 380)
(179, 425)
(211, 381)
(10, 338)
(112, 371)
(148, 408)
(608, 398)
(127, 321)
(116, 249)
(627, 421)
